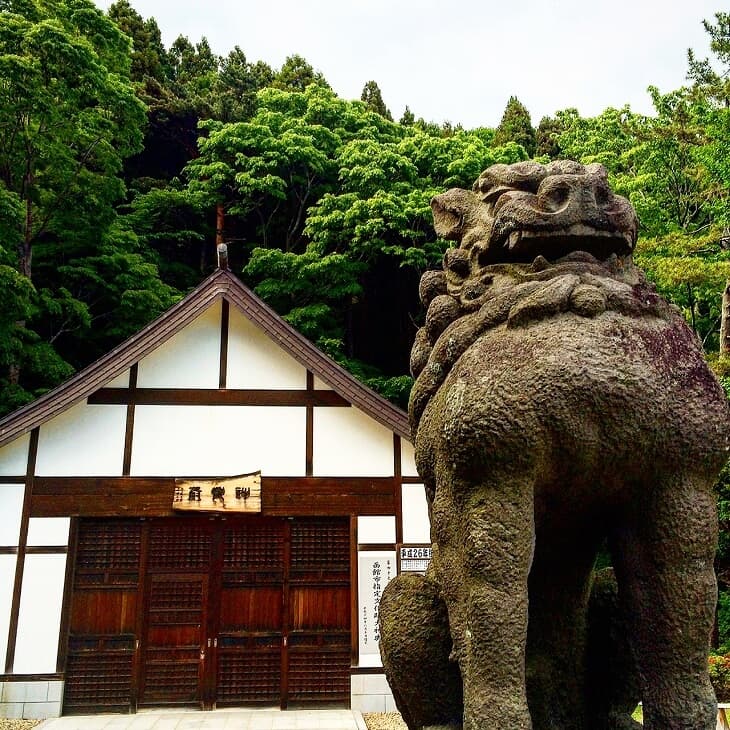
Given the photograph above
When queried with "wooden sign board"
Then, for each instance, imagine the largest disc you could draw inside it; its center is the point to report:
(232, 494)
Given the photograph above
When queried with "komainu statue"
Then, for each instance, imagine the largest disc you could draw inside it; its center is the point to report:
(560, 405)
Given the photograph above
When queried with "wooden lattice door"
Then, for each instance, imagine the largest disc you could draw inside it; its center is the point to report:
(102, 645)
(204, 611)
(318, 613)
(249, 636)
(176, 656)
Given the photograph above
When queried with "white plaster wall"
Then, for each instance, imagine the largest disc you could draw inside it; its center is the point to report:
(349, 443)
(407, 459)
(256, 361)
(84, 441)
(7, 579)
(375, 530)
(321, 385)
(44, 531)
(416, 525)
(121, 381)
(218, 440)
(39, 621)
(11, 508)
(189, 359)
(14, 457)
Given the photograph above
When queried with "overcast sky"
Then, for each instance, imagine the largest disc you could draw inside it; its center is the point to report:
(461, 61)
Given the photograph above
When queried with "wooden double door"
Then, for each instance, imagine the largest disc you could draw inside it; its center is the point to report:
(209, 612)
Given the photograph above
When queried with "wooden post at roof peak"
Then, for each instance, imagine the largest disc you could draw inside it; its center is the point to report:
(222, 256)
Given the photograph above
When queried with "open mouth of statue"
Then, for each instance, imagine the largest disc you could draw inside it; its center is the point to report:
(522, 246)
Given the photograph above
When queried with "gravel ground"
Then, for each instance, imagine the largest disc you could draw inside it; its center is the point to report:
(18, 724)
(379, 721)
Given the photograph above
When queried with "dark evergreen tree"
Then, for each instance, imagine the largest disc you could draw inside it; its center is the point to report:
(238, 82)
(373, 98)
(408, 119)
(707, 78)
(296, 73)
(516, 126)
(546, 137)
(149, 57)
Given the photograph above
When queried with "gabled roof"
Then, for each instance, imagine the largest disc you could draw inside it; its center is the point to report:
(222, 284)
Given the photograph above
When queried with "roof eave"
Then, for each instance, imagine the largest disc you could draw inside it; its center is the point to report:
(222, 284)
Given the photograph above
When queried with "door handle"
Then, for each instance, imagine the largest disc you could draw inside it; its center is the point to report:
(215, 643)
(209, 643)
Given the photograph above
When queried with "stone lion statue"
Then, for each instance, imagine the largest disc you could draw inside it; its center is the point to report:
(560, 406)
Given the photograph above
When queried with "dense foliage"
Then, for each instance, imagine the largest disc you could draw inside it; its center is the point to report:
(123, 162)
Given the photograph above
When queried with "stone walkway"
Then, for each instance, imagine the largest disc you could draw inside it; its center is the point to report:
(234, 719)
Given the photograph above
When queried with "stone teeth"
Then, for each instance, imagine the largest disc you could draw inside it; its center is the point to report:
(514, 239)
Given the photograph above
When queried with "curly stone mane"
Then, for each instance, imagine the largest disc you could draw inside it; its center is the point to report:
(513, 211)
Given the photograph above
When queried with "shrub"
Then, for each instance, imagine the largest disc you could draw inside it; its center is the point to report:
(719, 665)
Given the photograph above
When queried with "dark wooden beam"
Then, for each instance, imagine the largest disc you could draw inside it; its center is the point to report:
(215, 397)
(354, 603)
(286, 496)
(370, 546)
(129, 428)
(309, 444)
(398, 489)
(22, 543)
(223, 365)
(73, 541)
(152, 496)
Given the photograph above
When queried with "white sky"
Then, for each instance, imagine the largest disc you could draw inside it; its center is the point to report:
(461, 61)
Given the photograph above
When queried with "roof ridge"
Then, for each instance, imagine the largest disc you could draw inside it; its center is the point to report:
(222, 283)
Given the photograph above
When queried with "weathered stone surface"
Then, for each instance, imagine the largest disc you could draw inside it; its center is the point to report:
(560, 405)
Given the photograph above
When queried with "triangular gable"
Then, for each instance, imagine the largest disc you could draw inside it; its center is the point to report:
(221, 285)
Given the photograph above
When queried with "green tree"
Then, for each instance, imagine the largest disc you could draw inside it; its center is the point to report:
(709, 80)
(237, 85)
(194, 73)
(546, 138)
(408, 119)
(149, 57)
(270, 167)
(373, 98)
(516, 126)
(296, 73)
(68, 118)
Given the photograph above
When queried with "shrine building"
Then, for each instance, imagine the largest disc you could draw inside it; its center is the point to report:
(204, 517)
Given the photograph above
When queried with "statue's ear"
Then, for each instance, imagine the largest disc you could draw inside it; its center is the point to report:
(450, 210)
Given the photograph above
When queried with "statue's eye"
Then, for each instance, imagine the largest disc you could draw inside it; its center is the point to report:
(556, 197)
(492, 195)
(603, 196)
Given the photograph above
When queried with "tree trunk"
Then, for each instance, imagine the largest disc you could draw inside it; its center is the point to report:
(725, 322)
(25, 266)
(25, 248)
(220, 222)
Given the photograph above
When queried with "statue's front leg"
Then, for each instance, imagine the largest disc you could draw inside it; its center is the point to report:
(415, 644)
(485, 533)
